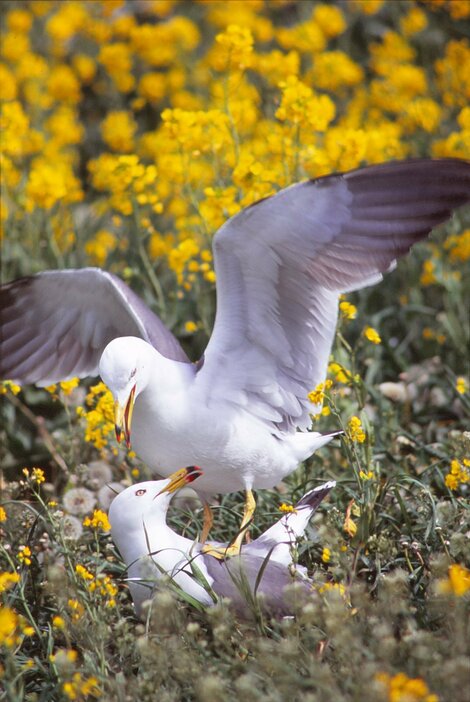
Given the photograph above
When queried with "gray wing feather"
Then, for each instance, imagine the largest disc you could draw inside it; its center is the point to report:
(282, 263)
(56, 324)
(232, 577)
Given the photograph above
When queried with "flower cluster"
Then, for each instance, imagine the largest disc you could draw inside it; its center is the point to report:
(99, 419)
(100, 585)
(457, 582)
(400, 687)
(355, 430)
(459, 473)
(99, 520)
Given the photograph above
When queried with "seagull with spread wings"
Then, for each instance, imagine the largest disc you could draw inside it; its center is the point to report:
(242, 411)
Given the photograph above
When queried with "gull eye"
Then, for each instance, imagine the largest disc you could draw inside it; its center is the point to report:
(140, 492)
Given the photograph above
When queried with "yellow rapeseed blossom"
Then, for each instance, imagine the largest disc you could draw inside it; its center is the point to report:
(99, 419)
(24, 555)
(366, 476)
(414, 21)
(348, 310)
(83, 573)
(355, 430)
(326, 555)
(457, 581)
(58, 622)
(99, 520)
(342, 374)
(100, 246)
(118, 130)
(7, 580)
(9, 624)
(9, 386)
(286, 509)
(371, 335)
(50, 183)
(233, 49)
(461, 385)
(428, 276)
(76, 608)
(80, 688)
(37, 476)
(318, 395)
(401, 688)
(301, 107)
(458, 474)
(458, 246)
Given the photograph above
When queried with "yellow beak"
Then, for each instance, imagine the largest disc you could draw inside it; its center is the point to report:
(123, 418)
(181, 478)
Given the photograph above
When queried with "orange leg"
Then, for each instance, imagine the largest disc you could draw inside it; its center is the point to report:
(234, 548)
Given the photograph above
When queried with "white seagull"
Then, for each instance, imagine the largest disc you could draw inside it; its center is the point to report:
(151, 550)
(242, 411)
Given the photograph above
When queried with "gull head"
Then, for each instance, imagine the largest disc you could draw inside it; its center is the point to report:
(129, 509)
(125, 367)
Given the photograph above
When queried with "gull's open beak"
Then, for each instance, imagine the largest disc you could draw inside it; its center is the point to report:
(123, 418)
(181, 478)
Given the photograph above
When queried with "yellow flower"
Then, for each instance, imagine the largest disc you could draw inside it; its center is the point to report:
(99, 520)
(414, 21)
(461, 385)
(300, 106)
(118, 129)
(287, 509)
(77, 609)
(371, 335)
(37, 476)
(348, 310)
(318, 395)
(458, 581)
(9, 622)
(99, 419)
(58, 622)
(458, 474)
(459, 246)
(83, 573)
(24, 555)
(366, 476)
(401, 688)
(9, 386)
(7, 580)
(190, 327)
(428, 276)
(100, 246)
(63, 85)
(355, 430)
(326, 555)
(342, 375)
(233, 49)
(3, 515)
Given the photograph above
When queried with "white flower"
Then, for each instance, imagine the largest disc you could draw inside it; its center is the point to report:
(71, 527)
(79, 500)
(98, 473)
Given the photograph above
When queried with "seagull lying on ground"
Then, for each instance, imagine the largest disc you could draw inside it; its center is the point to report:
(152, 550)
(281, 265)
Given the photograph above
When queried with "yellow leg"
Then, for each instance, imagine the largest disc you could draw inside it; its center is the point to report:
(234, 548)
(207, 523)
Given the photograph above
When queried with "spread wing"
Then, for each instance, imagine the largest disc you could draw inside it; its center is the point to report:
(56, 324)
(282, 263)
